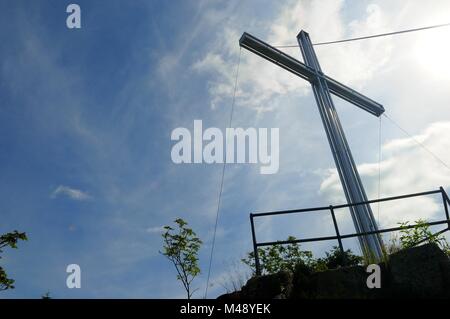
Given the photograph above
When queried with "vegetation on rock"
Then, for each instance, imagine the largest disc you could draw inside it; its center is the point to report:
(276, 258)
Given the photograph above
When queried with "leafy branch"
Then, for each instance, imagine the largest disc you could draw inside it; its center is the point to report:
(181, 246)
(9, 240)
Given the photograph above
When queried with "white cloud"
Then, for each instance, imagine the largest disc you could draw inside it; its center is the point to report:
(72, 193)
(155, 230)
(406, 168)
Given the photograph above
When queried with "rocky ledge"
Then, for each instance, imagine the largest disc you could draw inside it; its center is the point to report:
(419, 272)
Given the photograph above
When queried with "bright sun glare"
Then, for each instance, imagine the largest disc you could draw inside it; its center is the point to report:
(432, 51)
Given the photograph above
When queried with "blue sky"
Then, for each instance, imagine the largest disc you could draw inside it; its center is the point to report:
(86, 117)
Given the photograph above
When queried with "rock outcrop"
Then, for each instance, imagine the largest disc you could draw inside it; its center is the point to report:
(419, 272)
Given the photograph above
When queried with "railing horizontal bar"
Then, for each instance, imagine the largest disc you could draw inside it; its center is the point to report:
(290, 211)
(388, 199)
(303, 210)
(386, 230)
(283, 242)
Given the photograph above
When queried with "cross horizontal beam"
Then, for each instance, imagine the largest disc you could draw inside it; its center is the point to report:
(298, 68)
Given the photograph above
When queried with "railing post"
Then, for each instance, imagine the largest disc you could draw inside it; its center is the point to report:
(255, 247)
(337, 230)
(444, 200)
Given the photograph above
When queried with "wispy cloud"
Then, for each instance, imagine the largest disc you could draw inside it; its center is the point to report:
(71, 193)
(155, 230)
(260, 82)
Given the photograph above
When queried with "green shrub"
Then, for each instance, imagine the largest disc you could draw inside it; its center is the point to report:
(421, 233)
(279, 257)
(336, 259)
(289, 256)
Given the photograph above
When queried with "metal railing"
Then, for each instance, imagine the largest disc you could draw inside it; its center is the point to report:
(339, 237)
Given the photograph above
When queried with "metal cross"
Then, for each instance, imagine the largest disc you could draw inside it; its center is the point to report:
(322, 85)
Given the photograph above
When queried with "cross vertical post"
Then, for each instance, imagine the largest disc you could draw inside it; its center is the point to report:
(351, 182)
